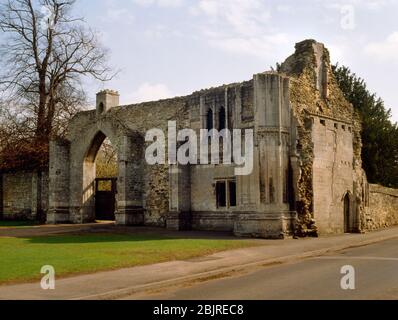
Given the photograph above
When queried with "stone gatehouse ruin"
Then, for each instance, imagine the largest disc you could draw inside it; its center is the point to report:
(307, 178)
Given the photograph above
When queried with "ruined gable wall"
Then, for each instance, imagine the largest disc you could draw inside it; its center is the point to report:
(315, 95)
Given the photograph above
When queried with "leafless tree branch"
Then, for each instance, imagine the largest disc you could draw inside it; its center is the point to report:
(45, 56)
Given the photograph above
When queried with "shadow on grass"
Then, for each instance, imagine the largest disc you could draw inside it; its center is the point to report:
(11, 224)
(93, 238)
(85, 238)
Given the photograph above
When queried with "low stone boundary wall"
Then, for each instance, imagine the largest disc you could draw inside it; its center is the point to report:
(383, 207)
(23, 195)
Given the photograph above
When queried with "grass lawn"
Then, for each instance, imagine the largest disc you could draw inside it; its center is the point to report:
(21, 259)
(17, 224)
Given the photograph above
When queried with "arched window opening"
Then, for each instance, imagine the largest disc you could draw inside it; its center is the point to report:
(221, 119)
(209, 119)
(101, 108)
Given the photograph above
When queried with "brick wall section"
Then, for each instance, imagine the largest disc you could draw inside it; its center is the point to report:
(383, 207)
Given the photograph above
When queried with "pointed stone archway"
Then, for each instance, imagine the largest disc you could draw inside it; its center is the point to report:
(349, 213)
(72, 171)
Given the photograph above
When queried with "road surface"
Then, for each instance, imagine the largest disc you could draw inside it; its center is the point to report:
(376, 277)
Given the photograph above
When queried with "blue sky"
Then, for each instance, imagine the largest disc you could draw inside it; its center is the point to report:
(166, 48)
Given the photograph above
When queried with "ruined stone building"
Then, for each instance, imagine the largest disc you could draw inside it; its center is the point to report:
(307, 176)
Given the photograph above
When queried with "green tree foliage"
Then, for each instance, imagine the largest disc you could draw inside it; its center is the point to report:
(379, 134)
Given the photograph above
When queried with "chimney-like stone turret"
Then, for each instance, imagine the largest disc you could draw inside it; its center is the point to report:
(106, 99)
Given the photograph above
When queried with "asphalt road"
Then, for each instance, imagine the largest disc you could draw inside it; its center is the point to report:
(376, 277)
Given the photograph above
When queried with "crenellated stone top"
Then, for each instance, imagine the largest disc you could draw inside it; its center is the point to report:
(108, 91)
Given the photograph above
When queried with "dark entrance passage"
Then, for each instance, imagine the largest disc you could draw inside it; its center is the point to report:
(347, 215)
(105, 198)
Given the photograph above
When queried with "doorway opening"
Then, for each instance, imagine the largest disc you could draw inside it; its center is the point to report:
(105, 199)
(347, 214)
(106, 182)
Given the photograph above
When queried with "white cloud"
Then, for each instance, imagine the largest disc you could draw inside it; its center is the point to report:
(386, 50)
(144, 2)
(338, 51)
(284, 8)
(160, 3)
(244, 17)
(169, 3)
(210, 8)
(236, 26)
(150, 92)
(368, 4)
(259, 46)
(159, 31)
(377, 4)
(119, 15)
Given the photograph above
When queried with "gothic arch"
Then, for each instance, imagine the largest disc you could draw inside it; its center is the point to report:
(89, 175)
(75, 171)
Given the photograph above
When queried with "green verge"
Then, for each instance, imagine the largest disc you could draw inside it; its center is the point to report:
(21, 259)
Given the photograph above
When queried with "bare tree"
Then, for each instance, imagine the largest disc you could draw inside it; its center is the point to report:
(44, 58)
(106, 162)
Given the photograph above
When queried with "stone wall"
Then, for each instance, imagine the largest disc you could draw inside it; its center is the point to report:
(382, 211)
(24, 195)
(332, 173)
(162, 193)
(307, 148)
(315, 96)
(59, 183)
(142, 190)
